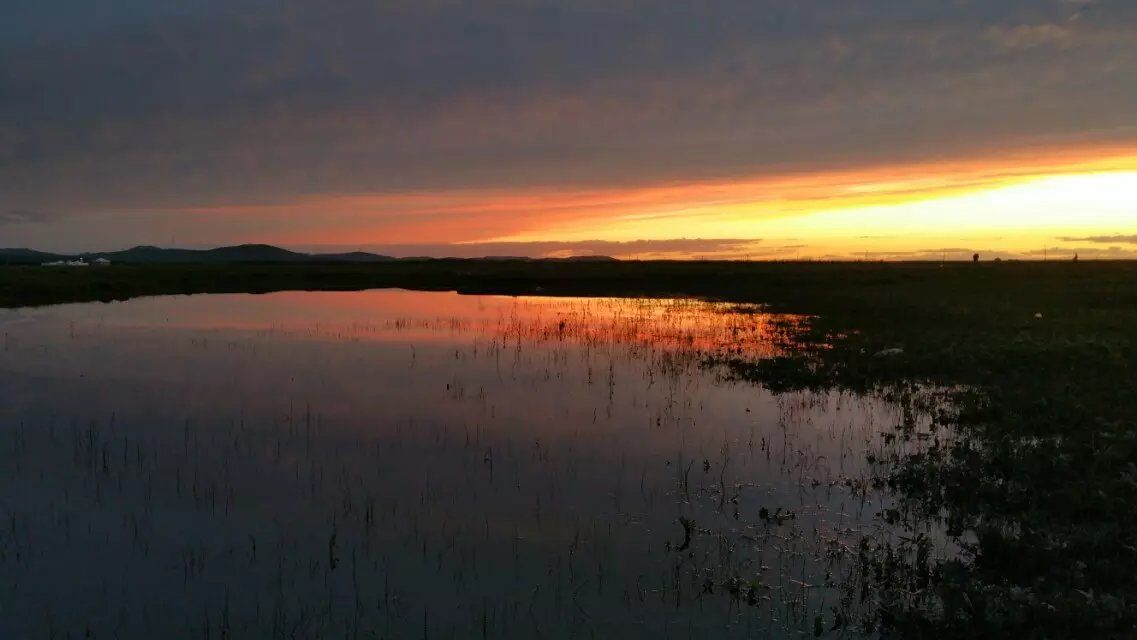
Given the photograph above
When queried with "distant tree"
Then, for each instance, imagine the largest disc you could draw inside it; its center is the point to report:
(975, 258)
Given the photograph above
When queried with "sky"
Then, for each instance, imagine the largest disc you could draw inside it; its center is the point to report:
(759, 129)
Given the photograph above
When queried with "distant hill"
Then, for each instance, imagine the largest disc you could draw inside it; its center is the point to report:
(240, 253)
(25, 256)
(354, 256)
(243, 253)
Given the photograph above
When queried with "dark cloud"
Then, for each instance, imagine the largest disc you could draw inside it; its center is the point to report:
(172, 104)
(23, 216)
(667, 248)
(1029, 36)
(948, 250)
(1115, 239)
(1115, 252)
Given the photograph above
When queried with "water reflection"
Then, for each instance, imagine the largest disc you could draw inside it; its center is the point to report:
(399, 464)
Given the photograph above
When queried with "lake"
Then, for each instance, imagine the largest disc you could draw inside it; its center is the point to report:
(425, 465)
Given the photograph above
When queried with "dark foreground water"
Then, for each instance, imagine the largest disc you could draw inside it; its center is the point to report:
(421, 465)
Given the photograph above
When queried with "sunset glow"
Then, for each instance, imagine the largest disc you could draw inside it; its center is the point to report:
(1014, 206)
(740, 129)
(1014, 214)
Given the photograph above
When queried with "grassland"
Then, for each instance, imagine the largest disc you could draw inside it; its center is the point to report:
(1040, 478)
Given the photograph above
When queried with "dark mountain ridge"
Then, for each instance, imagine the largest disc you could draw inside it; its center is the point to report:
(143, 254)
(237, 254)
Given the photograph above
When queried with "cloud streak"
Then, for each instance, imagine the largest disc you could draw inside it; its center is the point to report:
(24, 216)
(1114, 239)
(673, 248)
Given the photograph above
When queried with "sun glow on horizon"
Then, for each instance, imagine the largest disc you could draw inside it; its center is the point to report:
(1018, 214)
(1013, 205)
(1096, 202)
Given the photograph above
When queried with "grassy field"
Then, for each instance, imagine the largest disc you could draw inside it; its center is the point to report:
(1042, 476)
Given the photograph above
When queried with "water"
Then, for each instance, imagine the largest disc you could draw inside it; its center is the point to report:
(408, 465)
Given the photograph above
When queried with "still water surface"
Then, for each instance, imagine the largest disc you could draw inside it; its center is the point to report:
(408, 465)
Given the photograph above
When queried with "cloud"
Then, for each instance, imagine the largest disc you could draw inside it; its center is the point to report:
(165, 105)
(388, 93)
(23, 216)
(674, 248)
(1101, 253)
(1114, 239)
(1029, 36)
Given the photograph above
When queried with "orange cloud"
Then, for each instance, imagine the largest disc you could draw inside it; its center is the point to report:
(660, 210)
